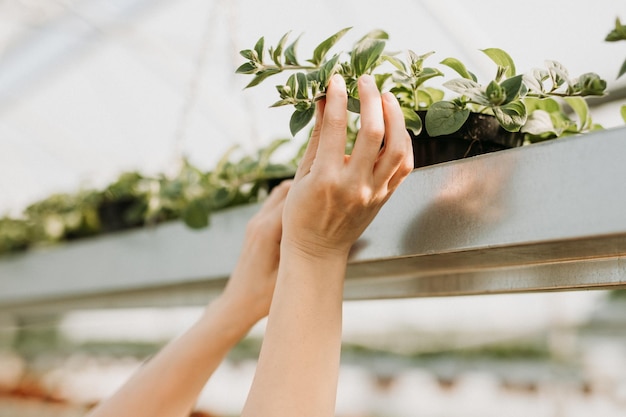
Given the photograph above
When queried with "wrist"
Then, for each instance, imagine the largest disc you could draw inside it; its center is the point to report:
(310, 269)
(311, 251)
(233, 316)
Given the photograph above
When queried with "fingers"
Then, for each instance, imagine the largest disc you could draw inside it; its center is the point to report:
(311, 150)
(396, 158)
(278, 194)
(267, 222)
(381, 117)
(370, 135)
(332, 138)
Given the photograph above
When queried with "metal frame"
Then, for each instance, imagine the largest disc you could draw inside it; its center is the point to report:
(545, 217)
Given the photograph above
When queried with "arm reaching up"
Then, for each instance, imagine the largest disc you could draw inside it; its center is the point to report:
(332, 200)
(168, 384)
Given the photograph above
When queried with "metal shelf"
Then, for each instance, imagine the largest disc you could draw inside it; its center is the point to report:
(550, 216)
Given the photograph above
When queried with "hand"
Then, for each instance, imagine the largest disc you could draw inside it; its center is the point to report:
(334, 196)
(254, 277)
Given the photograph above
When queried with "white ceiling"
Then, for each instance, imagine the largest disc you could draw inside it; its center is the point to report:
(89, 88)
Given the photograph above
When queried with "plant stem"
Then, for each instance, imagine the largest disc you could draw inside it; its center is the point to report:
(288, 67)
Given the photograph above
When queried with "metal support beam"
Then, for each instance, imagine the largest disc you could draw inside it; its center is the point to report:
(545, 217)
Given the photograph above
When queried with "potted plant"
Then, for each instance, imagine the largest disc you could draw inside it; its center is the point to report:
(63, 217)
(480, 117)
(231, 183)
(15, 235)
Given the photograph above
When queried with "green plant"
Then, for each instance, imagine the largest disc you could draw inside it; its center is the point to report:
(619, 34)
(63, 216)
(231, 183)
(15, 235)
(135, 200)
(529, 102)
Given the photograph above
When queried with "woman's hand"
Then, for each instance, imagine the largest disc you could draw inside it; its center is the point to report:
(252, 282)
(334, 197)
(332, 200)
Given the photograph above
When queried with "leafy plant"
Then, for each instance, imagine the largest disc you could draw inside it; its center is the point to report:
(511, 97)
(135, 200)
(63, 216)
(230, 183)
(15, 235)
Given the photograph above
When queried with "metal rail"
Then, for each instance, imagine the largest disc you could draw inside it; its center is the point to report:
(545, 217)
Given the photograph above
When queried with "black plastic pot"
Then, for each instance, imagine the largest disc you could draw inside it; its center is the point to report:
(117, 214)
(480, 134)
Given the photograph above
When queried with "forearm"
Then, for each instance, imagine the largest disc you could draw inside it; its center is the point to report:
(299, 360)
(168, 384)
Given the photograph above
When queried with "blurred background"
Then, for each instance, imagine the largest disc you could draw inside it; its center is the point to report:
(93, 88)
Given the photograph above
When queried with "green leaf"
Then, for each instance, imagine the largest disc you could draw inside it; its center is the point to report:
(284, 91)
(538, 123)
(579, 105)
(459, 67)
(196, 214)
(617, 34)
(550, 105)
(354, 105)
(435, 94)
(444, 118)
(471, 89)
(501, 59)
(262, 75)
(623, 112)
(299, 119)
(416, 62)
(589, 84)
(284, 102)
(247, 68)
(398, 63)
(461, 85)
(558, 73)
(622, 70)
(412, 120)
(495, 94)
(292, 85)
(375, 34)
(426, 74)
(249, 54)
(276, 53)
(381, 79)
(512, 87)
(223, 195)
(534, 80)
(327, 71)
(511, 116)
(290, 53)
(303, 86)
(258, 48)
(322, 49)
(366, 54)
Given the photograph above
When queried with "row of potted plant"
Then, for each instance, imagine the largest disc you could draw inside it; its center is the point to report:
(511, 108)
(474, 116)
(137, 200)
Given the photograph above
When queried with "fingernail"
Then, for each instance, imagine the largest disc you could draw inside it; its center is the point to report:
(367, 79)
(389, 98)
(337, 78)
